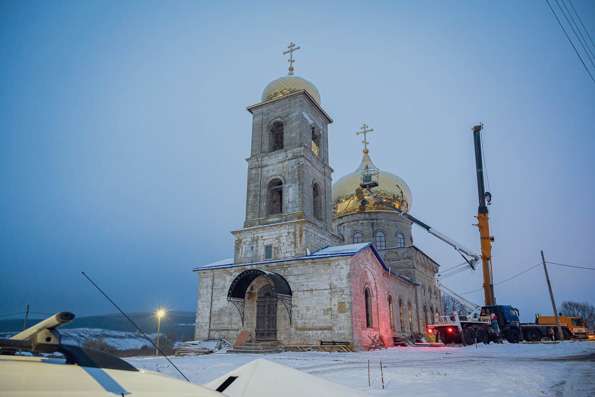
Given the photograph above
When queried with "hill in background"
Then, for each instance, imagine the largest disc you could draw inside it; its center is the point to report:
(177, 325)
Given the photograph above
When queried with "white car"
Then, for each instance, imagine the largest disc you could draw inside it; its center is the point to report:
(35, 363)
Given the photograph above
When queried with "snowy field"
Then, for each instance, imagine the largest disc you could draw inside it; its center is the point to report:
(565, 369)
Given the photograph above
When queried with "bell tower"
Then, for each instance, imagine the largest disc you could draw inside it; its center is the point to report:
(288, 200)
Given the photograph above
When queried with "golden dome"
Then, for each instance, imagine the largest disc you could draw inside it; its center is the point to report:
(287, 85)
(391, 193)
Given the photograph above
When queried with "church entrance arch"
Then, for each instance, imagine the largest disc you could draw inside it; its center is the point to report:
(266, 314)
(275, 291)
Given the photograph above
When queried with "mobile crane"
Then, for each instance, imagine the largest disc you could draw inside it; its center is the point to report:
(477, 327)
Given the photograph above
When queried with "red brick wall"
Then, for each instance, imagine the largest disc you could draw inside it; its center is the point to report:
(367, 271)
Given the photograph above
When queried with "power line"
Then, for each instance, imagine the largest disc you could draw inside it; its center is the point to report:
(454, 267)
(577, 32)
(21, 313)
(572, 266)
(454, 273)
(11, 314)
(570, 41)
(581, 22)
(507, 279)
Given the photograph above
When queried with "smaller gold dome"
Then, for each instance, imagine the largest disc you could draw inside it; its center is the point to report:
(391, 193)
(287, 85)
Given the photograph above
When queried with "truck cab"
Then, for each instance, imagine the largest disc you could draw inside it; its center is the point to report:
(575, 326)
(508, 320)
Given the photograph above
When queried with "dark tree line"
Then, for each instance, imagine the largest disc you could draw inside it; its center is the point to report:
(451, 304)
(584, 310)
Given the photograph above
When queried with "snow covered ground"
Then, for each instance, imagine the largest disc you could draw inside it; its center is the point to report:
(565, 369)
(120, 340)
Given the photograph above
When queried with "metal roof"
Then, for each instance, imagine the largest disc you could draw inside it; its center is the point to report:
(327, 252)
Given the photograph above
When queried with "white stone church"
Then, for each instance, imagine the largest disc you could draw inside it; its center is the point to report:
(315, 263)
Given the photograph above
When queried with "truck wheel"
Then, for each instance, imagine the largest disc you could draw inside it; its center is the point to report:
(513, 335)
(483, 336)
(533, 335)
(470, 336)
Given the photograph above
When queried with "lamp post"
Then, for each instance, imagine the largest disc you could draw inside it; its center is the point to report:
(160, 313)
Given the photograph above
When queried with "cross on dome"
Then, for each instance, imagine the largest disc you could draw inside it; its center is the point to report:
(365, 130)
(291, 48)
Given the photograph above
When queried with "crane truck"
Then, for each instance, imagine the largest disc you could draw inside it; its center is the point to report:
(477, 326)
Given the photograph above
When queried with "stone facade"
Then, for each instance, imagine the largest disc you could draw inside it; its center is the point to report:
(368, 223)
(327, 302)
(320, 306)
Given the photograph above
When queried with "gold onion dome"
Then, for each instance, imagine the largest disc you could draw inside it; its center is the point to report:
(288, 85)
(350, 198)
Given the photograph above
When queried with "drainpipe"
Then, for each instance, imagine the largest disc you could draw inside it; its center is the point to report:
(211, 303)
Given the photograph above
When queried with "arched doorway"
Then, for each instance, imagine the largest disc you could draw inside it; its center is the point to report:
(266, 314)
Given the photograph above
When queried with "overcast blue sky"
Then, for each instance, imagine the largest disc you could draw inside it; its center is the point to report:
(124, 134)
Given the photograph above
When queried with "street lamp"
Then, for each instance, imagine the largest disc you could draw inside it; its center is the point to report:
(159, 313)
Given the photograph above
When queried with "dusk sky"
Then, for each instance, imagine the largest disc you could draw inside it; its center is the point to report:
(124, 134)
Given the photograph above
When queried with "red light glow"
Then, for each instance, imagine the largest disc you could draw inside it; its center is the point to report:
(449, 330)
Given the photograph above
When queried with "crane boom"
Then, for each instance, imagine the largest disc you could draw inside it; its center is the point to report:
(483, 222)
(470, 257)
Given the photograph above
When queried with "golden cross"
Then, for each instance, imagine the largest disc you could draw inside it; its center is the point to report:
(291, 48)
(365, 130)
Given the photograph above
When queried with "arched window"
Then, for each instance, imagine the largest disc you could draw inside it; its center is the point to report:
(275, 197)
(400, 240)
(315, 141)
(368, 303)
(358, 237)
(379, 240)
(391, 312)
(316, 201)
(401, 316)
(276, 137)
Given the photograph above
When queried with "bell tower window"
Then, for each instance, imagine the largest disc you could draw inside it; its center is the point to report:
(276, 136)
(315, 142)
(316, 201)
(275, 197)
(268, 251)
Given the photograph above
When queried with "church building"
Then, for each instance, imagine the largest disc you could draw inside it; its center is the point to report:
(315, 263)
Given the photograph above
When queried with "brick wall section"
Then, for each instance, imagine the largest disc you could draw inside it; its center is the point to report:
(288, 239)
(366, 271)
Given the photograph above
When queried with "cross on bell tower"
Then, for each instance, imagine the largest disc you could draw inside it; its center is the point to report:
(291, 48)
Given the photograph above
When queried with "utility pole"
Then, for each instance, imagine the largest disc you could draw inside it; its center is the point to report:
(549, 286)
(26, 317)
